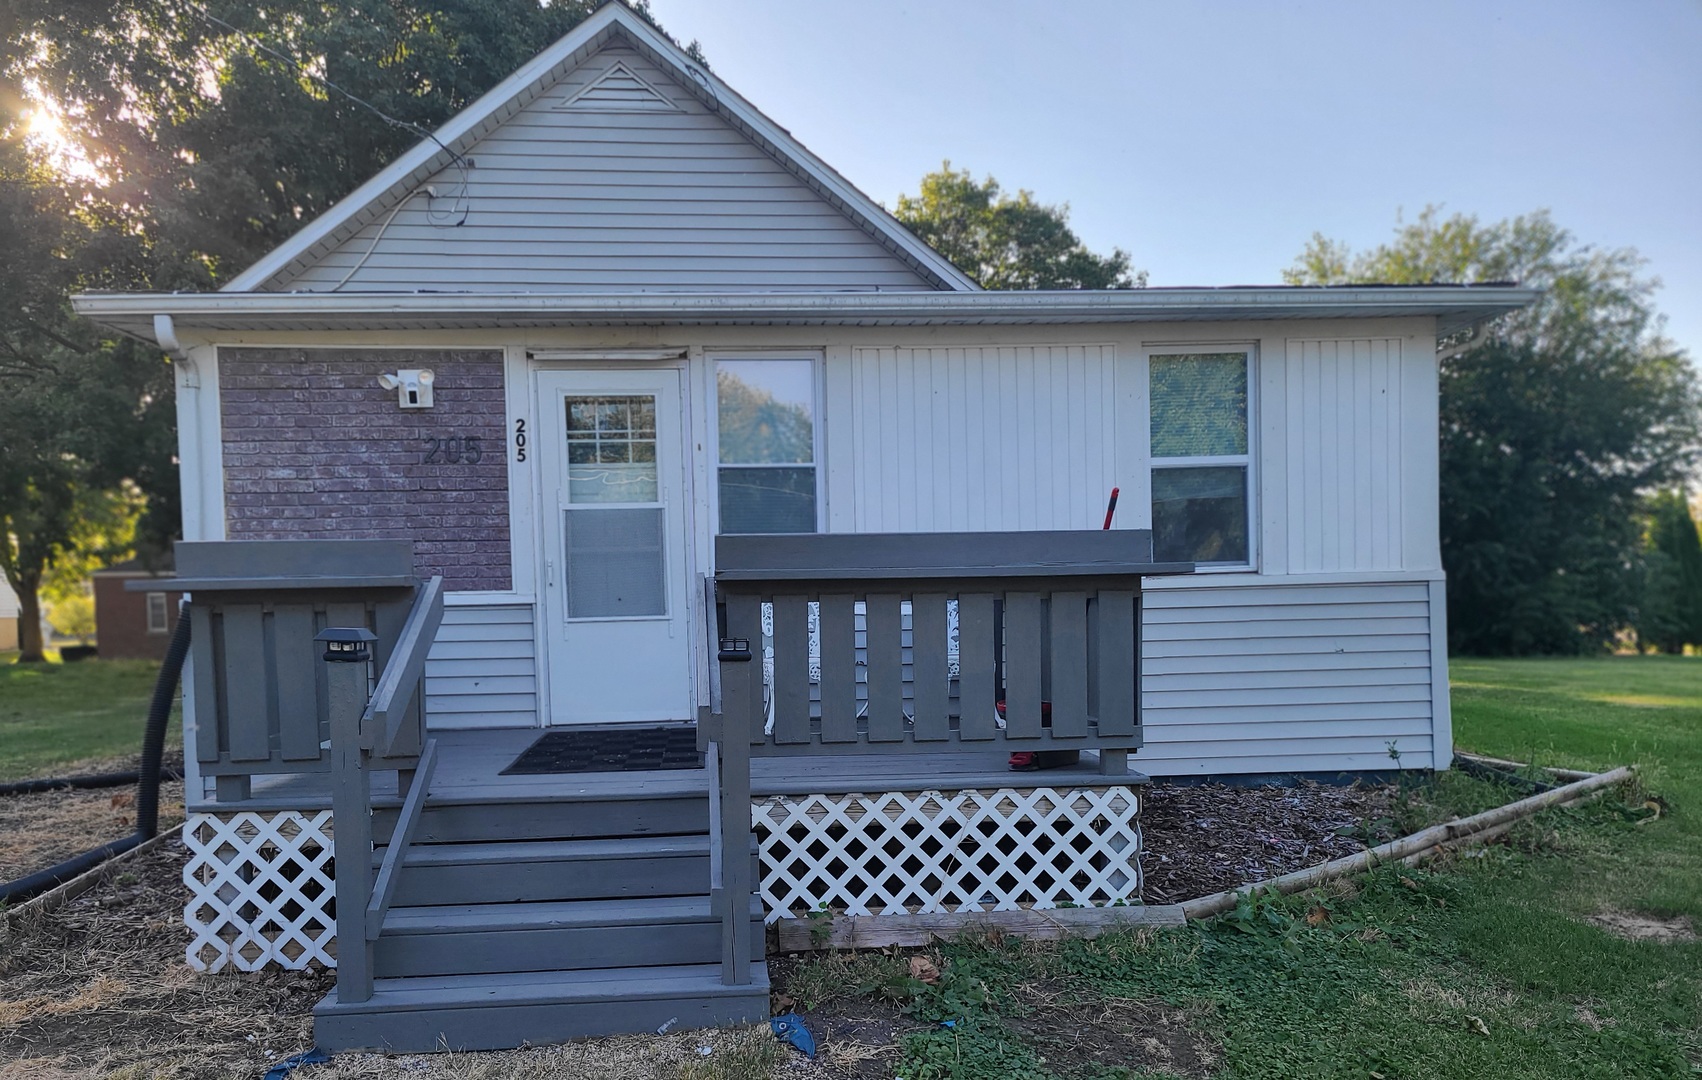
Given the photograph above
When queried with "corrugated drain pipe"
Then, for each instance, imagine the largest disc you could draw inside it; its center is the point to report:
(147, 782)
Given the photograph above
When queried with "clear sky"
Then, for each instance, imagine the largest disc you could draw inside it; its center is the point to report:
(1210, 140)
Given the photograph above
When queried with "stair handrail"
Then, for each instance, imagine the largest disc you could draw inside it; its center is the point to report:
(401, 837)
(387, 711)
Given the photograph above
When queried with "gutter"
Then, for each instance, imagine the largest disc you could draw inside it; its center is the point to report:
(1457, 307)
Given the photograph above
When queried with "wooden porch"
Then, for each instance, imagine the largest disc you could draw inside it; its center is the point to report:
(483, 910)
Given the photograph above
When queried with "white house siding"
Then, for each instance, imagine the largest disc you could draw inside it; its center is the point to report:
(482, 670)
(977, 438)
(603, 194)
(1349, 461)
(1273, 678)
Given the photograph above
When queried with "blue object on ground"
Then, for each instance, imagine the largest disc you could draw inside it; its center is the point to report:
(283, 1068)
(790, 1027)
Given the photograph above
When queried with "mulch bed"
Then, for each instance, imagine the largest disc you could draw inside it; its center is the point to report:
(1205, 838)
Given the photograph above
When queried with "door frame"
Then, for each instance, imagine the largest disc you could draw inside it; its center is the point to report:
(691, 437)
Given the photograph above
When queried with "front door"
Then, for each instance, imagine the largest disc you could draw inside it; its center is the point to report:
(615, 587)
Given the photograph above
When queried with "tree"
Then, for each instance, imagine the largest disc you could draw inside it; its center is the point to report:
(1007, 242)
(1673, 602)
(1555, 422)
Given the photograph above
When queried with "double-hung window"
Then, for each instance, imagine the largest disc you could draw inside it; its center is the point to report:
(766, 435)
(159, 619)
(1200, 457)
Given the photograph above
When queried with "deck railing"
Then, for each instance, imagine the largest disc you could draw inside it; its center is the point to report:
(365, 731)
(257, 688)
(1045, 656)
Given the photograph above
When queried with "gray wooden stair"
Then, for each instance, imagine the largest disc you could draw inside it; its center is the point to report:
(542, 919)
(556, 935)
(498, 1011)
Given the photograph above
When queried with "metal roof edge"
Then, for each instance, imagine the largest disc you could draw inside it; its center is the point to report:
(1458, 307)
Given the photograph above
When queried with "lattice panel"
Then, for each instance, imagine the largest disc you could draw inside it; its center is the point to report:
(934, 851)
(260, 890)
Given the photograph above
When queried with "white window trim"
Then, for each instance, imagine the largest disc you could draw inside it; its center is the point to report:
(164, 612)
(1250, 459)
(818, 445)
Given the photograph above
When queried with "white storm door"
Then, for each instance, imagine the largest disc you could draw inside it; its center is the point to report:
(615, 584)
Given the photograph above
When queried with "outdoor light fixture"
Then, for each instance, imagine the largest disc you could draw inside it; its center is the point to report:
(346, 645)
(412, 386)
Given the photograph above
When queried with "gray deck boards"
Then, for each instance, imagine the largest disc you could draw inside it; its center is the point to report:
(469, 763)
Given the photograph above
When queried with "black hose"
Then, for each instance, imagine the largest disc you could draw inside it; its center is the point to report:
(87, 781)
(147, 784)
(153, 739)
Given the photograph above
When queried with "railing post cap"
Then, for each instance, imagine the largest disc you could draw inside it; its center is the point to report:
(346, 644)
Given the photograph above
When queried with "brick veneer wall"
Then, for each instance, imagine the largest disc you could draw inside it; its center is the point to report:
(314, 448)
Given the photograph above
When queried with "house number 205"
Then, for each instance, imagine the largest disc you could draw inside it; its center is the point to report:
(520, 440)
(453, 451)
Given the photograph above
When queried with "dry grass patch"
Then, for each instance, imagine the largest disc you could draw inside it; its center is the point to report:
(1633, 927)
(40, 830)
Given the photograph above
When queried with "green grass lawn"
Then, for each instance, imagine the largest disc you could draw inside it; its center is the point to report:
(1482, 967)
(54, 714)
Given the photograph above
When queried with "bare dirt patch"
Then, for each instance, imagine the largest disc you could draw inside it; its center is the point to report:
(1088, 1039)
(40, 830)
(1204, 838)
(1633, 927)
(856, 1039)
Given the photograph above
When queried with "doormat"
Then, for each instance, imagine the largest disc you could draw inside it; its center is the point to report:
(610, 750)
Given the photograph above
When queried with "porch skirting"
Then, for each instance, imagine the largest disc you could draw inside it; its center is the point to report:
(261, 886)
(929, 851)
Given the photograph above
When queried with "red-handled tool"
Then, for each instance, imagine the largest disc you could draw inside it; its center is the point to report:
(1110, 508)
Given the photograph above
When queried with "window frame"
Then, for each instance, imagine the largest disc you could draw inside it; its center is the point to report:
(818, 377)
(1248, 460)
(164, 612)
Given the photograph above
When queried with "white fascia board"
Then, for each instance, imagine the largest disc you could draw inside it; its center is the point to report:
(1455, 307)
(399, 178)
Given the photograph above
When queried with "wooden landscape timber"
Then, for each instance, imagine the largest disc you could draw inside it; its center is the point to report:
(1050, 924)
(1503, 763)
(65, 892)
(1421, 845)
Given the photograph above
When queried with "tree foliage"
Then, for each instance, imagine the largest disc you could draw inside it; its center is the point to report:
(1556, 421)
(1669, 613)
(1005, 241)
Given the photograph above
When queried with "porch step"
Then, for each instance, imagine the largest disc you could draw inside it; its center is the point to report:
(470, 939)
(498, 1011)
(542, 870)
(556, 818)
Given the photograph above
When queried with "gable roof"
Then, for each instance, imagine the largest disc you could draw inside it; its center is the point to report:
(619, 88)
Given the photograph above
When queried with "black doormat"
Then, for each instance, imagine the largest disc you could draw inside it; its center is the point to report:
(620, 749)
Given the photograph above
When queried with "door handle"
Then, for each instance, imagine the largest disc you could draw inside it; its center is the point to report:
(550, 572)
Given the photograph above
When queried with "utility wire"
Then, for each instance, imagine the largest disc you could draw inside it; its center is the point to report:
(406, 125)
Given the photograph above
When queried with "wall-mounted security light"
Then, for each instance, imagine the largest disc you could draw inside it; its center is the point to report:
(412, 386)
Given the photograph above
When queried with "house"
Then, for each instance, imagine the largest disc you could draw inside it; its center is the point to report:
(134, 624)
(8, 616)
(678, 427)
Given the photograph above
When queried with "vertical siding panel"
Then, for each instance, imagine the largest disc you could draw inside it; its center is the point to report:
(1364, 505)
(958, 442)
(1294, 460)
(891, 465)
(1010, 516)
(909, 464)
(1376, 454)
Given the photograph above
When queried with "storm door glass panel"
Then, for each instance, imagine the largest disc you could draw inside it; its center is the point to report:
(611, 449)
(616, 562)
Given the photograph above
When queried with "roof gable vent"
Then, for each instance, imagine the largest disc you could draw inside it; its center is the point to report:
(619, 90)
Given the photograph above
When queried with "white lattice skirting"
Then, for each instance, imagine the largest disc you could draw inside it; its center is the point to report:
(260, 890)
(942, 851)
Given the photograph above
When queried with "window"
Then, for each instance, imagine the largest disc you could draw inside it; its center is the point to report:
(766, 433)
(158, 616)
(1200, 458)
(612, 527)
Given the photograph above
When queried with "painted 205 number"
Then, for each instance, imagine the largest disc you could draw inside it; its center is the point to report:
(455, 451)
(520, 440)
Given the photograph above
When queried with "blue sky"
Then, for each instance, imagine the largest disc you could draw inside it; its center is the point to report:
(1210, 140)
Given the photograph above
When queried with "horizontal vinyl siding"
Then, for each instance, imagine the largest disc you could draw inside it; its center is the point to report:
(482, 670)
(565, 196)
(1299, 678)
(979, 438)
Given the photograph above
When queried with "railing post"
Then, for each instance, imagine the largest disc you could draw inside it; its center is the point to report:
(348, 656)
(741, 685)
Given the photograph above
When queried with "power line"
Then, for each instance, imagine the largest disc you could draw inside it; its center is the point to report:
(460, 160)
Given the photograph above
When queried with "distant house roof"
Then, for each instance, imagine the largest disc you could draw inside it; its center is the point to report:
(160, 566)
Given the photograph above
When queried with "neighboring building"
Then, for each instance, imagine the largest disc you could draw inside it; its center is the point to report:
(132, 624)
(8, 616)
(611, 315)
